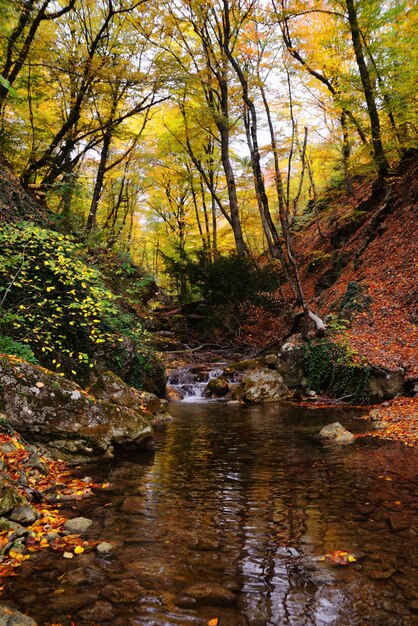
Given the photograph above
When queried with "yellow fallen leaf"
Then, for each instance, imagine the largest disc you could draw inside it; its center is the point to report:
(17, 444)
(17, 555)
(78, 550)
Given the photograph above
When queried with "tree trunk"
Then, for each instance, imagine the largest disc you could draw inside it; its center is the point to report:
(379, 153)
(104, 155)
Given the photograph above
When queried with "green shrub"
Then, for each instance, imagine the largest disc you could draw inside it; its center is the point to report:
(23, 351)
(224, 281)
(50, 299)
(332, 368)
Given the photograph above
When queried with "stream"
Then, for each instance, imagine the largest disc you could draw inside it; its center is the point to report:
(229, 518)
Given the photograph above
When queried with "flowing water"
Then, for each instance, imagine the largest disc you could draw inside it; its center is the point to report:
(191, 383)
(228, 520)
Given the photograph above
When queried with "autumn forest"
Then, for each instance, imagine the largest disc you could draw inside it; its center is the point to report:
(208, 312)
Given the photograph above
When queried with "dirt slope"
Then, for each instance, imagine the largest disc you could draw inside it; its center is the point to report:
(371, 248)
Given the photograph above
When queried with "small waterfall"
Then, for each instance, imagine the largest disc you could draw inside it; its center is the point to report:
(191, 382)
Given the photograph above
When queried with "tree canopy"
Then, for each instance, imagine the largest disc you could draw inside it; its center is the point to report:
(202, 124)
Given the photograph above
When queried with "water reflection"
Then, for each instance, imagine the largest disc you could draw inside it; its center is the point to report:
(248, 499)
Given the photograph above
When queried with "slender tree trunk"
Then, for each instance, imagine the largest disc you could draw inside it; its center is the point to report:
(223, 127)
(346, 156)
(379, 153)
(104, 155)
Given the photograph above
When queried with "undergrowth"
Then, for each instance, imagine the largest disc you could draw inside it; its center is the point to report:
(332, 367)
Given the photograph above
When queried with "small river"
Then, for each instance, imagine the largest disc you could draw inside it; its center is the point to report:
(229, 518)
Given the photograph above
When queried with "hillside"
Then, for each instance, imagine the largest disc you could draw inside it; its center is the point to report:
(365, 268)
(361, 269)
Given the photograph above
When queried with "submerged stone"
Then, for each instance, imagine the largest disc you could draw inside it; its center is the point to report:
(211, 594)
(77, 525)
(336, 432)
(12, 617)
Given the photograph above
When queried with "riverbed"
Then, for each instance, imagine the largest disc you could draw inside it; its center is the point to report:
(229, 520)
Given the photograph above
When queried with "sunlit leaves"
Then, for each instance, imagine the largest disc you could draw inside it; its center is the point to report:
(55, 302)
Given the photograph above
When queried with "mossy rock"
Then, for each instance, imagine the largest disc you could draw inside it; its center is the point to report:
(217, 387)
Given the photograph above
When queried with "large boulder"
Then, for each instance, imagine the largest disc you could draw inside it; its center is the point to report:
(384, 385)
(260, 385)
(290, 365)
(217, 387)
(48, 408)
(110, 388)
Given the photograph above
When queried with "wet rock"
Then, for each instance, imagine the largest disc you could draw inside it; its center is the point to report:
(206, 544)
(128, 590)
(83, 575)
(8, 525)
(63, 415)
(77, 525)
(262, 385)
(345, 438)
(336, 432)
(271, 360)
(70, 602)
(104, 548)
(211, 594)
(381, 573)
(172, 394)
(10, 500)
(386, 384)
(185, 602)
(240, 367)
(398, 523)
(155, 574)
(24, 514)
(36, 463)
(99, 612)
(11, 617)
(217, 387)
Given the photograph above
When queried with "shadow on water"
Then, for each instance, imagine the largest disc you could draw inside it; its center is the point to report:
(229, 520)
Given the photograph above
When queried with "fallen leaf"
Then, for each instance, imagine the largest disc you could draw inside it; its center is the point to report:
(68, 555)
(339, 557)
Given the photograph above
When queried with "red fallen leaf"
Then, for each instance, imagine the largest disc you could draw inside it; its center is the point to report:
(339, 557)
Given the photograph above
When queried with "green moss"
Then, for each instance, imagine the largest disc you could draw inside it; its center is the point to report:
(330, 368)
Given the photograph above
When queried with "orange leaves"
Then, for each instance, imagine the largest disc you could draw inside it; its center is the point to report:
(339, 557)
(213, 622)
(56, 483)
(400, 417)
